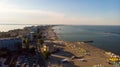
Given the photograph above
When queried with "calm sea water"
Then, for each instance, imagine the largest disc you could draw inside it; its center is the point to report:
(104, 37)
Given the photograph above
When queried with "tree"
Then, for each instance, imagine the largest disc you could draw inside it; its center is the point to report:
(35, 36)
(46, 54)
(38, 30)
(40, 44)
(32, 50)
(26, 41)
(40, 41)
(39, 36)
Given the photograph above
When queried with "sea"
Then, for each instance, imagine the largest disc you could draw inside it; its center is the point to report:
(104, 37)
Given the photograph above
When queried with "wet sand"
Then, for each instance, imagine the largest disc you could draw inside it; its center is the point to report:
(92, 55)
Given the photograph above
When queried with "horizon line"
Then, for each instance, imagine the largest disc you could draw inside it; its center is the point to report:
(53, 24)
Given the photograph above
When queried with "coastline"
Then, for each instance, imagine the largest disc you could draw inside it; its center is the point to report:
(98, 55)
(86, 44)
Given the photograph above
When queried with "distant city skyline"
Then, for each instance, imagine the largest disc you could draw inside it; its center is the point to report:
(74, 12)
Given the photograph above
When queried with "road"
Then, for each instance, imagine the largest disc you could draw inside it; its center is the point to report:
(41, 60)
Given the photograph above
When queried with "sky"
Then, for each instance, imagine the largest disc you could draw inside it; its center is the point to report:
(75, 12)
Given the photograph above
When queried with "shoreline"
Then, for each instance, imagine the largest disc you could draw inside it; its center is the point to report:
(84, 42)
(88, 44)
(75, 47)
(73, 41)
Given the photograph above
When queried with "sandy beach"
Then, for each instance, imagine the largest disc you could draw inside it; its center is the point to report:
(87, 55)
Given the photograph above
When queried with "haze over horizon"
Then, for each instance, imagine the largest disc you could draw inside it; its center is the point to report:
(74, 12)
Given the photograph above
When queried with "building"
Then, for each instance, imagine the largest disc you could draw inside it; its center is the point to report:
(10, 43)
(31, 36)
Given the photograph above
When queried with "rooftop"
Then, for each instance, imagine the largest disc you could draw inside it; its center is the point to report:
(10, 38)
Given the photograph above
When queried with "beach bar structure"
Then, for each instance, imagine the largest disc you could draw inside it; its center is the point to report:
(10, 43)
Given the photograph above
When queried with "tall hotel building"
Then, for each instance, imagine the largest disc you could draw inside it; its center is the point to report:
(10, 43)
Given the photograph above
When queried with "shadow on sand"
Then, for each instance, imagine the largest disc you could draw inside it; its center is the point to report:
(57, 60)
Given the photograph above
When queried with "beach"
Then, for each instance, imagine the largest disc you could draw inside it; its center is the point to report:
(87, 55)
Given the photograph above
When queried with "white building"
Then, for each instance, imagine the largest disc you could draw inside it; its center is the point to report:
(10, 43)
